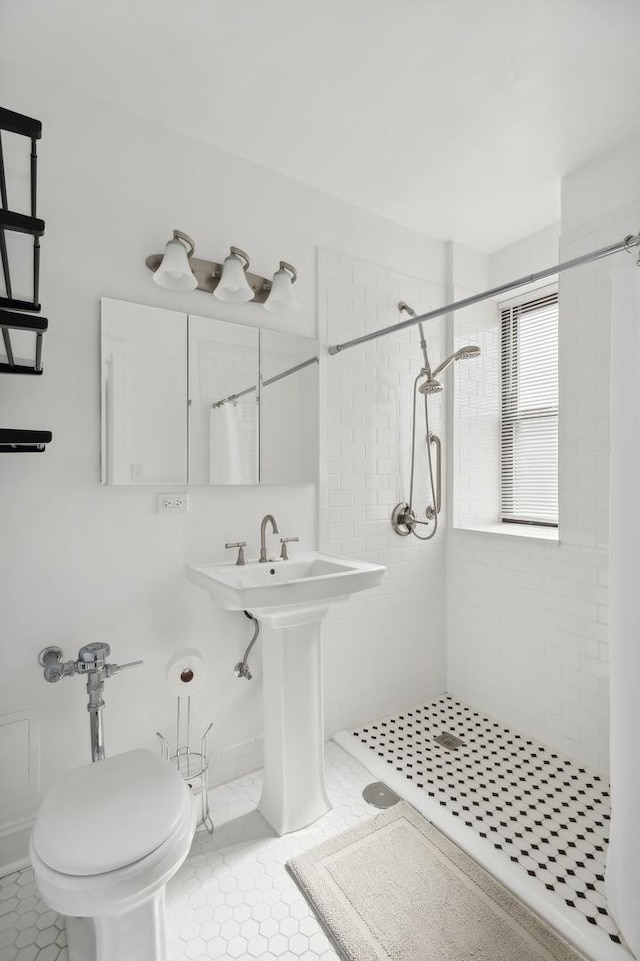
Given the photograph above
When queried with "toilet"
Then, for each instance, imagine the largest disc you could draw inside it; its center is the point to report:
(106, 841)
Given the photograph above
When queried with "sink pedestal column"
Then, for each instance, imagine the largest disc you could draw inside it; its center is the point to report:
(293, 792)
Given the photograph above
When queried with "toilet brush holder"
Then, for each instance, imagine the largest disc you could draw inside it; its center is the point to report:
(193, 766)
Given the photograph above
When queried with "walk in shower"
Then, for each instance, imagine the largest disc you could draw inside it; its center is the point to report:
(563, 860)
(537, 821)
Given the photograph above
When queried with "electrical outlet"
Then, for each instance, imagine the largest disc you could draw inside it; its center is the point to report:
(177, 503)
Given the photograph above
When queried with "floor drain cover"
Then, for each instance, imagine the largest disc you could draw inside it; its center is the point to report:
(448, 740)
(380, 795)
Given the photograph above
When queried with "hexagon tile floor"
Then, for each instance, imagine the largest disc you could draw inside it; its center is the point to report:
(233, 898)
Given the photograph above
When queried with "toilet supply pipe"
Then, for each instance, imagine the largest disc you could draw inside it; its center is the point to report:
(92, 662)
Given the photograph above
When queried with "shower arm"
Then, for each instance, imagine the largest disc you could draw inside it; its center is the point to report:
(404, 307)
(632, 240)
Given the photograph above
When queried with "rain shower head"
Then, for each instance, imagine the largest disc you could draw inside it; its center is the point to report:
(463, 353)
(430, 386)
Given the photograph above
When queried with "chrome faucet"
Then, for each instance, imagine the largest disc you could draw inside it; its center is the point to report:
(267, 519)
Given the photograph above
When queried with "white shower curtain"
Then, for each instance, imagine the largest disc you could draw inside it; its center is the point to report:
(227, 461)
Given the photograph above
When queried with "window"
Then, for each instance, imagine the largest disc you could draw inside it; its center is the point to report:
(529, 427)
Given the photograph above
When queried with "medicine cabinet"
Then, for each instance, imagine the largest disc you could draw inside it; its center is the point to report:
(196, 400)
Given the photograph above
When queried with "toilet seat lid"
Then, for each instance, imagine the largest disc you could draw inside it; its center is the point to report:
(104, 816)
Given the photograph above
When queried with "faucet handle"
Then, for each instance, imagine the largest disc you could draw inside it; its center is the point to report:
(284, 555)
(242, 559)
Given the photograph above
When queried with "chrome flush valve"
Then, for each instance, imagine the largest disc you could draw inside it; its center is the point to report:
(92, 663)
(91, 658)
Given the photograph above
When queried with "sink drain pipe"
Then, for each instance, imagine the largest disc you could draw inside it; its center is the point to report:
(242, 667)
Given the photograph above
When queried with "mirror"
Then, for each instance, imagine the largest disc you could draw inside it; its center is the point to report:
(144, 394)
(288, 409)
(223, 402)
(196, 400)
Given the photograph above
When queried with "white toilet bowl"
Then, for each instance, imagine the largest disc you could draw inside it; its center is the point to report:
(107, 839)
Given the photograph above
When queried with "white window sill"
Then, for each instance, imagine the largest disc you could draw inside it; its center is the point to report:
(517, 530)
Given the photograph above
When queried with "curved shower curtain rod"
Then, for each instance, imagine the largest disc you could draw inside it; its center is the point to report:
(633, 240)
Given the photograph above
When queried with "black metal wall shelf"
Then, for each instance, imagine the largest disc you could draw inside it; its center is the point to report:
(17, 123)
(31, 441)
(12, 441)
(10, 321)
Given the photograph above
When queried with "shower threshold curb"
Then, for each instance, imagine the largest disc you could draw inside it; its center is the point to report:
(594, 944)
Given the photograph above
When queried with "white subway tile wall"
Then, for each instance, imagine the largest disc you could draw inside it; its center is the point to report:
(527, 636)
(475, 491)
(384, 650)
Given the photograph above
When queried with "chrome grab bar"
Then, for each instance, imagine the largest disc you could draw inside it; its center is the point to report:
(403, 518)
(435, 440)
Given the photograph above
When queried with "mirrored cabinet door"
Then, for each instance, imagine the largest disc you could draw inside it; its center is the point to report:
(144, 394)
(223, 402)
(288, 408)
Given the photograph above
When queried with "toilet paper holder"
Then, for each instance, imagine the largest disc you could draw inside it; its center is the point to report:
(193, 766)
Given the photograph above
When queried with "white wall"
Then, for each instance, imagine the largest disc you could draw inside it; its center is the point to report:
(384, 650)
(527, 256)
(82, 563)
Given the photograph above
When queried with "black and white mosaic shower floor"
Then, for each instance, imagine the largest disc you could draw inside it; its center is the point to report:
(543, 812)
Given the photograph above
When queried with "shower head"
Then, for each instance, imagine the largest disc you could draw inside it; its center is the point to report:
(463, 353)
(430, 386)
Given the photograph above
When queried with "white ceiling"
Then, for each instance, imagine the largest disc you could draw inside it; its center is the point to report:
(455, 117)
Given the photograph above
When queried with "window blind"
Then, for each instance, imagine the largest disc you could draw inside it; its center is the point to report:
(529, 426)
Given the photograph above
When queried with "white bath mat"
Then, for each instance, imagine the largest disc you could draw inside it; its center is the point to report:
(395, 889)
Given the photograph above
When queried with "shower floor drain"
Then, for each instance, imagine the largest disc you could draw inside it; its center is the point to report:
(449, 741)
(380, 795)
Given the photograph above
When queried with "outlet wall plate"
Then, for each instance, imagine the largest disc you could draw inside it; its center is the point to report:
(175, 503)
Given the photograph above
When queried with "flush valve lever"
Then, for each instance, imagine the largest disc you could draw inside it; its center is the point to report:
(111, 669)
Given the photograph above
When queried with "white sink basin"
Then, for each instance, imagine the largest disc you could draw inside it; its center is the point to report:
(307, 581)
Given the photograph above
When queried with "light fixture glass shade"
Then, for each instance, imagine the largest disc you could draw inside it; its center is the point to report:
(233, 286)
(174, 272)
(282, 296)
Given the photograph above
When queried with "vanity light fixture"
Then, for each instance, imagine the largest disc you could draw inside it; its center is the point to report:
(282, 296)
(233, 286)
(174, 271)
(230, 282)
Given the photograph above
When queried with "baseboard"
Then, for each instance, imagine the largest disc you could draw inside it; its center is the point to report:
(14, 847)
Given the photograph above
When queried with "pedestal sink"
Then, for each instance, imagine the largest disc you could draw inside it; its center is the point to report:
(290, 598)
